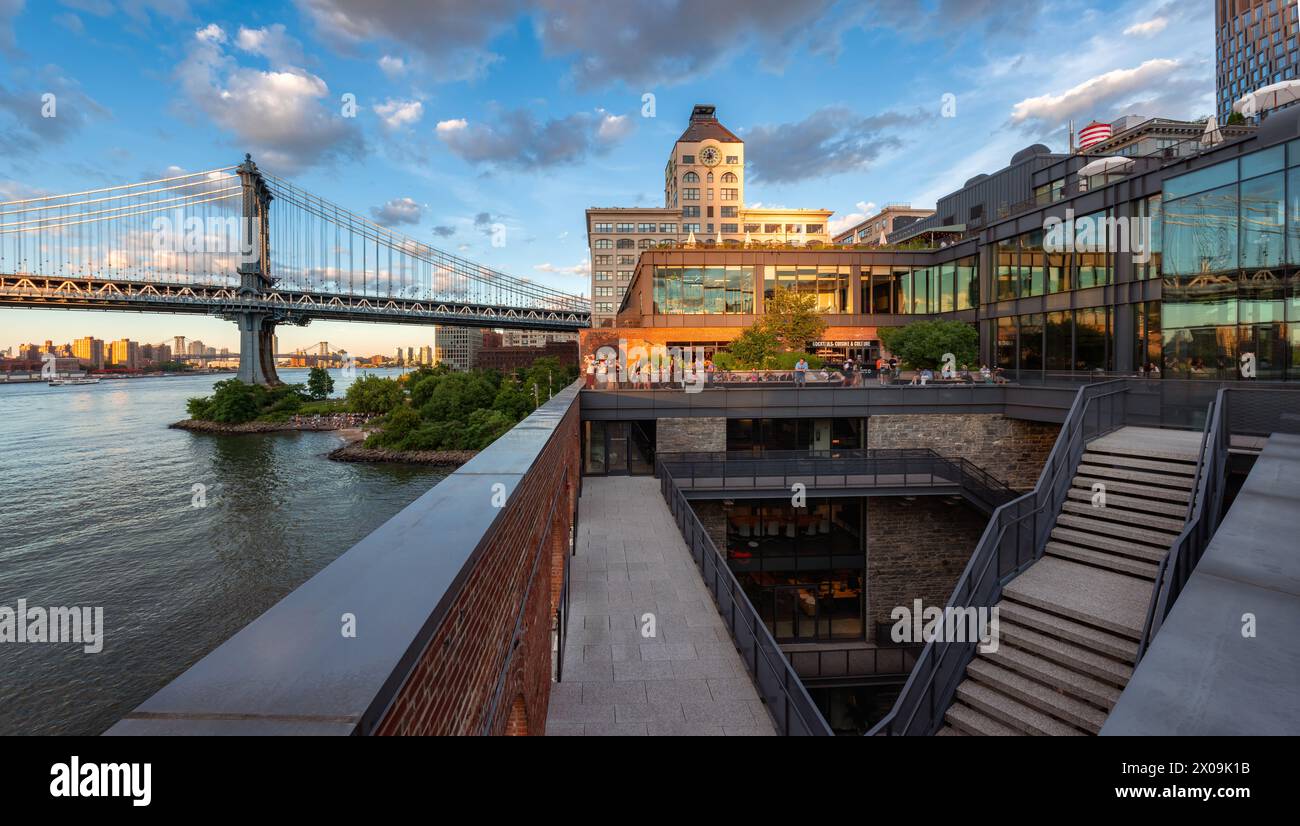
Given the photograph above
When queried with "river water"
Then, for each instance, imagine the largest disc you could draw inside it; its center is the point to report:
(97, 508)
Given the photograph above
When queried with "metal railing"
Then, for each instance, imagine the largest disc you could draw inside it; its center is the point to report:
(847, 663)
(779, 686)
(1245, 411)
(874, 468)
(1014, 539)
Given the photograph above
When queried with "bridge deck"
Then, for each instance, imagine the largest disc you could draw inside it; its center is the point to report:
(688, 678)
(1201, 675)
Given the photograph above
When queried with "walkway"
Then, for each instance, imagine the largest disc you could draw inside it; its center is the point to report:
(685, 680)
(1202, 674)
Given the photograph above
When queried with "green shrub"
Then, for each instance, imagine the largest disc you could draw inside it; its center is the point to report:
(373, 394)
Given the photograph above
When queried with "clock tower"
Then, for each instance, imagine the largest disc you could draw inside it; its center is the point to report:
(704, 179)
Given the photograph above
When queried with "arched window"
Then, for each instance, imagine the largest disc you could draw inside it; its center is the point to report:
(729, 178)
(667, 242)
(626, 244)
(690, 178)
(710, 177)
(646, 243)
(604, 244)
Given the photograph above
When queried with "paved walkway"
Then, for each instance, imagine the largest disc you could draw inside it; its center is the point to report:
(685, 680)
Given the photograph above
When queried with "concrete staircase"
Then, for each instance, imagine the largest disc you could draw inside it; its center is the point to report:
(1070, 624)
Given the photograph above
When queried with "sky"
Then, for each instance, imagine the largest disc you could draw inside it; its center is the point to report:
(474, 113)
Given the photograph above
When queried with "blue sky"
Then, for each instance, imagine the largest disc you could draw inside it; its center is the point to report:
(476, 112)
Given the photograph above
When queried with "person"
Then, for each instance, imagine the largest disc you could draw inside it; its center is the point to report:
(590, 366)
(801, 372)
(986, 375)
(964, 375)
(927, 376)
(602, 375)
(848, 372)
(882, 375)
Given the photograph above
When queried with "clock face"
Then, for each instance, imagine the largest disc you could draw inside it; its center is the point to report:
(709, 156)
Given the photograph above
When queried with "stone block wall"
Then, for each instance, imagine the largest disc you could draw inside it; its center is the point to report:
(916, 550)
(1010, 449)
(695, 435)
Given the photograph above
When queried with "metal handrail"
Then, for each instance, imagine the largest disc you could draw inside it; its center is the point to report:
(778, 684)
(975, 483)
(1097, 409)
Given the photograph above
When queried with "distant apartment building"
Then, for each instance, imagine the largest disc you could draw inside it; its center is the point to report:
(1255, 45)
(89, 351)
(457, 347)
(533, 338)
(426, 355)
(124, 353)
(874, 231)
(704, 206)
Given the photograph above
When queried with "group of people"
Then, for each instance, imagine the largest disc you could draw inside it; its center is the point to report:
(642, 373)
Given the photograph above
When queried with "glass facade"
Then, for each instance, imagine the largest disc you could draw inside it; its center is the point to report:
(1067, 340)
(1231, 246)
(830, 284)
(704, 290)
(943, 288)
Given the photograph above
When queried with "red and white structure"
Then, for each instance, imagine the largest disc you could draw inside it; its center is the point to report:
(1094, 133)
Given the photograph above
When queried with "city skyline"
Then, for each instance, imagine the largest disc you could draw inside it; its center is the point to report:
(493, 150)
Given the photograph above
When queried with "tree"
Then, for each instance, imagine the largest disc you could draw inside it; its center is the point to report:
(792, 319)
(923, 344)
(755, 348)
(319, 383)
(234, 402)
(373, 394)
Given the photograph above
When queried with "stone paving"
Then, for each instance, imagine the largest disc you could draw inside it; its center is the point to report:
(685, 680)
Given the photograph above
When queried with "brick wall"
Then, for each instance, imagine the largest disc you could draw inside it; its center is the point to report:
(519, 563)
(916, 550)
(1010, 449)
(713, 516)
(702, 435)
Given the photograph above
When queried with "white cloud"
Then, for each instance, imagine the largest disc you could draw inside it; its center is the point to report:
(397, 212)
(272, 43)
(865, 209)
(582, 268)
(446, 127)
(398, 113)
(1147, 28)
(518, 139)
(392, 66)
(286, 116)
(1095, 96)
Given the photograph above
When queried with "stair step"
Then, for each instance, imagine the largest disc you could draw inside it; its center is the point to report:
(1136, 463)
(1115, 602)
(1101, 559)
(1114, 513)
(1068, 654)
(1130, 503)
(1086, 636)
(1079, 686)
(969, 721)
(1123, 547)
(1012, 712)
(1036, 695)
(1141, 491)
(1162, 479)
(1161, 539)
(949, 731)
(1150, 443)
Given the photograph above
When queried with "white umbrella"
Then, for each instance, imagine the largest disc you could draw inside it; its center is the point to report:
(690, 239)
(747, 240)
(1212, 134)
(1106, 166)
(1268, 97)
(719, 237)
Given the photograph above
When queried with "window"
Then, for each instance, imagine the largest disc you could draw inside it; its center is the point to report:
(733, 159)
(728, 212)
(729, 177)
(688, 159)
(753, 227)
(771, 228)
(603, 228)
(691, 194)
(829, 283)
(668, 228)
(604, 259)
(626, 259)
(690, 227)
(690, 212)
(626, 244)
(604, 244)
(604, 275)
(646, 243)
(604, 292)
(690, 178)
(709, 178)
(645, 227)
(626, 228)
(624, 275)
(604, 307)
(730, 194)
(732, 228)
(813, 229)
(703, 290)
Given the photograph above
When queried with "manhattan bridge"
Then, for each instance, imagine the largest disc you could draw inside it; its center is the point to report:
(251, 248)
